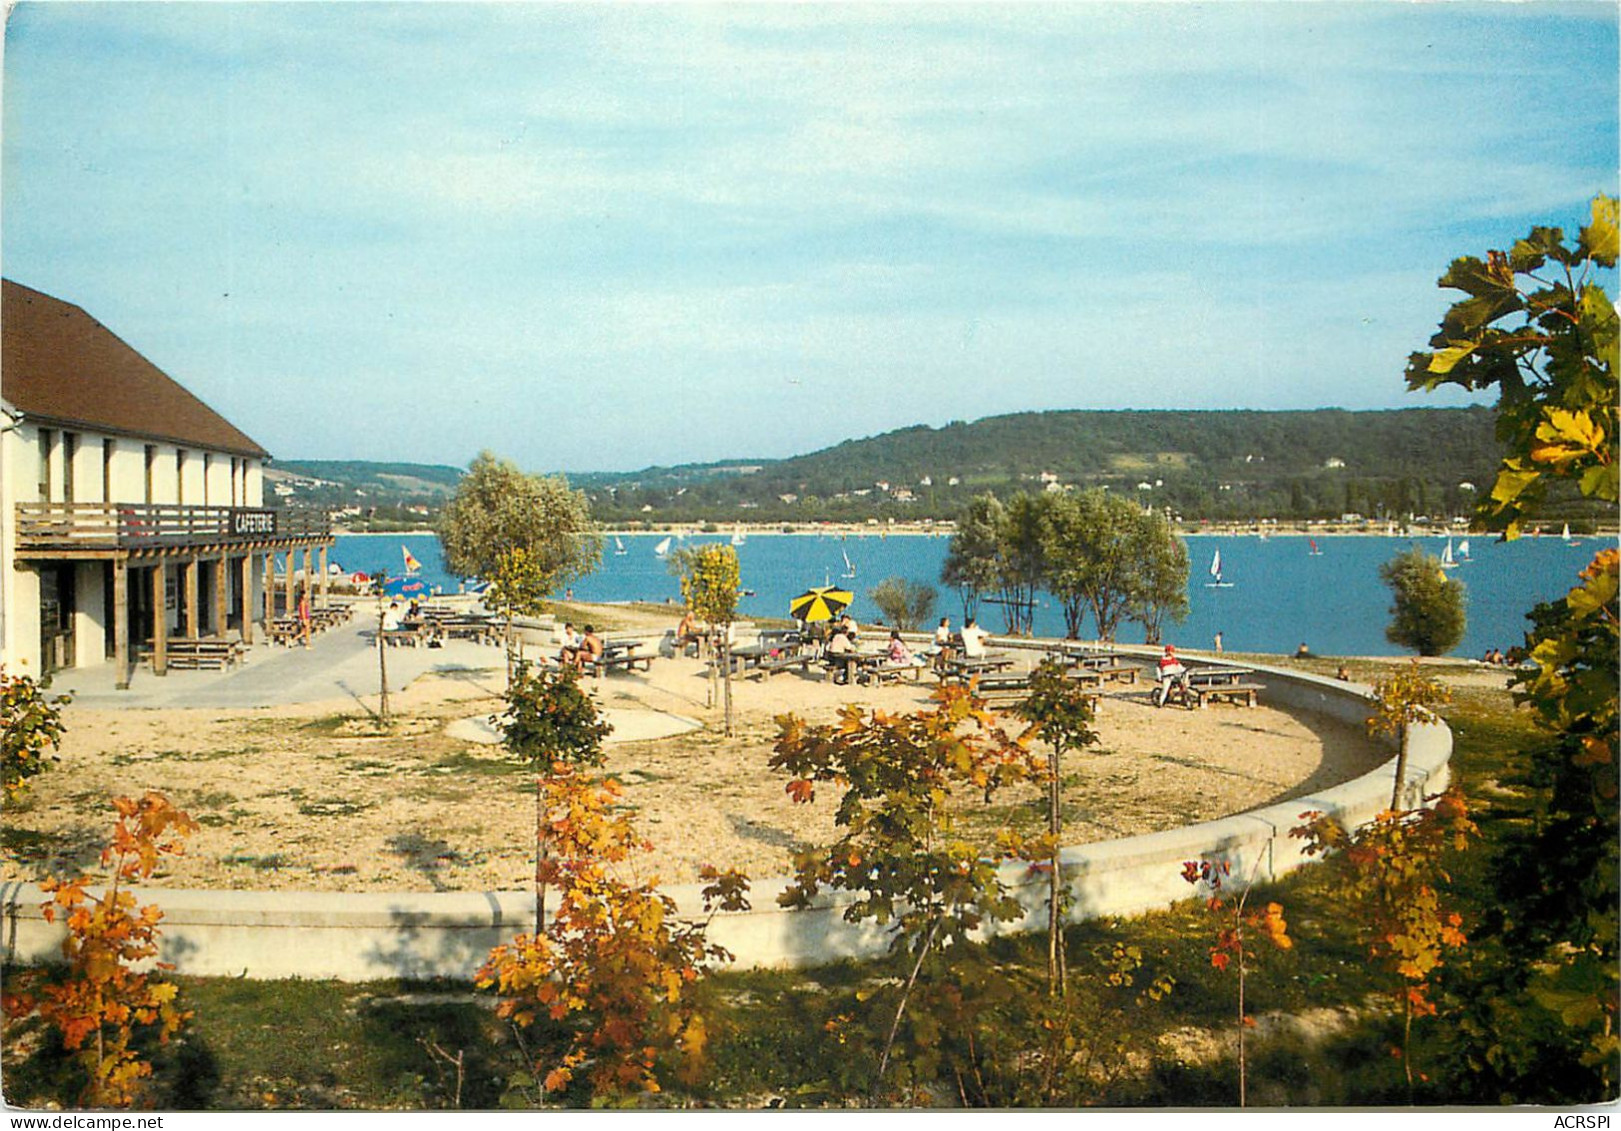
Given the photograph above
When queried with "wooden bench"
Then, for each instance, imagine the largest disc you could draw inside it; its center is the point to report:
(625, 658)
(213, 653)
(1123, 673)
(771, 665)
(1212, 691)
(891, 673)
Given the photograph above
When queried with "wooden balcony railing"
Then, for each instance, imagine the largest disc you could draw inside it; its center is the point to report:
(54, 526)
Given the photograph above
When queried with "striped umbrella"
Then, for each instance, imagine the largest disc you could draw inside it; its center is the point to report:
(822, 603)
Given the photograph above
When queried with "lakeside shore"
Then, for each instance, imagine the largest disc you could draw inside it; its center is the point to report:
(1267, 528)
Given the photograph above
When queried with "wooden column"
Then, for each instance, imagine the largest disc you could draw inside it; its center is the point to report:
(160, 619)
(269, 593)
(309, 574)
(222, 579)
(246, 578)
(189, 573)
(323, 575)
(287, 606)
(121, 623)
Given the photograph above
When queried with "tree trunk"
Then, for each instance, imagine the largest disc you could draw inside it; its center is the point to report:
(1055, 927)
(726, 675)
(382, 669)
(1401, 770)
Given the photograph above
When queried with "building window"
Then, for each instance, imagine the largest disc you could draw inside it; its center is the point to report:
(47, 441)
(208, 473)
(151, 471)
(70, 449)
(108, 447)
(180, 475)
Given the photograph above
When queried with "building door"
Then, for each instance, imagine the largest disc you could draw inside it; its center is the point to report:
(56, 606)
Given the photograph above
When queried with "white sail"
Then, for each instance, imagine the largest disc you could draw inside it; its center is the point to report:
(1215, 574)
(662, 548)
(1565, 534)
(849, 569)
(737, 536)
(619, 546)
(1446, 556)
(1463, 548)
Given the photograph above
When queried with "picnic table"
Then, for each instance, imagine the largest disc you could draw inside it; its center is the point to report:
(215, 652)
(624, 654)
(848, 665)
(1206, 685)
(960, 669)
(482, 629)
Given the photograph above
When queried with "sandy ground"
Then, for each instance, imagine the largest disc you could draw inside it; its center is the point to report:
(317, 796)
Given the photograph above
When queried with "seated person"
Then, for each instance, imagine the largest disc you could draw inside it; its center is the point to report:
(568, 651)
(899, 653)
(973, 639)
(687, 631)
(590, 649)
(847, 625)
(391, 617)
(1302, 652)
(838, 649)
(1169, 672)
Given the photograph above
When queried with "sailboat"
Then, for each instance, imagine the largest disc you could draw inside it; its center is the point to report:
(849, 568)
(1565, 534)
(1215, 572)
(737, 535)
(619, 547)
(662, 548)
(1463, 551)
(1447, 561)
(1314, 551)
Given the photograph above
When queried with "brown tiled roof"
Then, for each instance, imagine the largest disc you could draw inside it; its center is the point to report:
(59, 365)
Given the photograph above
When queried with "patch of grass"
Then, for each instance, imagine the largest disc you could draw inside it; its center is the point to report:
(462, 762)
(273, 862)
(332, 807)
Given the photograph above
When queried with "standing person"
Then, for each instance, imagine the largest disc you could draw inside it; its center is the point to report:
(973, 639)
(1218, 643)
(304, 614)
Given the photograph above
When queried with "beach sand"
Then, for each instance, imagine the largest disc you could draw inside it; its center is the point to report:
(316, 797)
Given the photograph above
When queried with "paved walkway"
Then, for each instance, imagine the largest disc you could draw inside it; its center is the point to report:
(339, 664)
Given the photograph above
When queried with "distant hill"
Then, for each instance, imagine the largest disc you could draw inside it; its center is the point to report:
(1217, 465)
(1240, 464)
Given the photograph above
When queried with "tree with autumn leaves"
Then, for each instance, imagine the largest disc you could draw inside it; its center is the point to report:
(1536, 326)
(99, 1000)
(609, 970)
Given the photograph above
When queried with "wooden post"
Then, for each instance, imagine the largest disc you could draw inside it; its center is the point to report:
(323, 575)
(190, 575)
(222, 578)
(160, 619)
(246, 577)
(287, 604)
(268, 591)
(121, 623)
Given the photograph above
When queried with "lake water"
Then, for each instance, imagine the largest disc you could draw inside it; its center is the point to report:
(1281, 594)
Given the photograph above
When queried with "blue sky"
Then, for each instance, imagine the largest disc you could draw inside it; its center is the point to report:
(606, 236)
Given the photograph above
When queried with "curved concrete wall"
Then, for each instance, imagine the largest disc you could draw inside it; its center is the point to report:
(418, 935)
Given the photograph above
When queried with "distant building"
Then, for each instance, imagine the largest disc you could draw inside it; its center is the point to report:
(1334, 463)
(133, 512)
